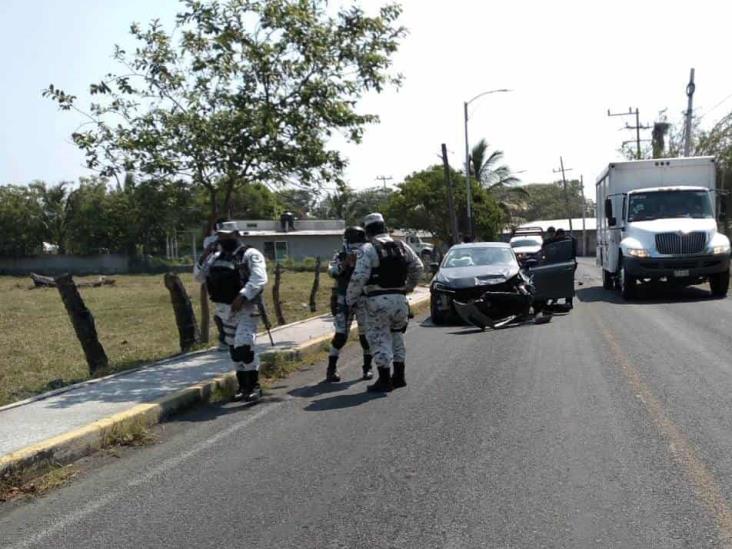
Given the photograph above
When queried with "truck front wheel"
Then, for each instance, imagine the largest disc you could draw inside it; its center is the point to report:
(626, 283)
(719, 283)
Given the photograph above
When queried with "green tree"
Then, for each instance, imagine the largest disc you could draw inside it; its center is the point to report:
(485, 167)
(497, 179)
(548, 201)
(21, 221)
(352, 205)
(240, 91)
(54, 210)
(420, 202)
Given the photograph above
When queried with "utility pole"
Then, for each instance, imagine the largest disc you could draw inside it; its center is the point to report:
(637, 127)
(566, 193)
(468, 190)
(384, 179)
(450, 196)
(690, 88)
(584, 212)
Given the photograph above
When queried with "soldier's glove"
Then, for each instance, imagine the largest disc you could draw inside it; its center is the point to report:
(238, 303)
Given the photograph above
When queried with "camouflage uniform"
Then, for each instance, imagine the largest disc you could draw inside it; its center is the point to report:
(343, 314)
(387, 314)
(240, 328)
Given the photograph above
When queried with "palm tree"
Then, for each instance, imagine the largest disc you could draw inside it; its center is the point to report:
(484, 167)
(497, 178)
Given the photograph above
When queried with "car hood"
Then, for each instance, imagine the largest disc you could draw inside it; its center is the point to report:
(468, 277)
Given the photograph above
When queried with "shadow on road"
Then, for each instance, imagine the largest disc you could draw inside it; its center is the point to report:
(652, 293)
(322, 388)
(342, 401)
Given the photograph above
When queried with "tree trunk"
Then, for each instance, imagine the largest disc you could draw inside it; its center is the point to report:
(316, 284)
(205, 315)
(185, 318)
(83, 322)
(276, 295)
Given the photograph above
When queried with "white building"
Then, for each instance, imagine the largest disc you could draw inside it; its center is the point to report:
(310, 237)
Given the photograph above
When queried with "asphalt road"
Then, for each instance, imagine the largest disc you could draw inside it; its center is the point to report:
(608, 427)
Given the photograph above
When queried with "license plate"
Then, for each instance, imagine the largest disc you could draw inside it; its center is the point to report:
(682, 273)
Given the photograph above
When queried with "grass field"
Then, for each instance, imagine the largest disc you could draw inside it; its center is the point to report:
(134, 319)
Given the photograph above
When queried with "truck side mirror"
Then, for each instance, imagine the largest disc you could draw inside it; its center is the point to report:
(609, 209)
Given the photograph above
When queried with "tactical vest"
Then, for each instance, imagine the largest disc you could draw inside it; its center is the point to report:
(393, 266)
(227, 275)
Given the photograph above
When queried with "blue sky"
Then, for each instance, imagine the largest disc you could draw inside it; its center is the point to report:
(568, 62)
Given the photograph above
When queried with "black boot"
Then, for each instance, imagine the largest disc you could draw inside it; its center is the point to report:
(254, 390)
(397, 380)
(367, 372)
(331, 374)
(243, 380)
(383, 383)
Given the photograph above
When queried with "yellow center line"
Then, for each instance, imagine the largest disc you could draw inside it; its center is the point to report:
(682, 451)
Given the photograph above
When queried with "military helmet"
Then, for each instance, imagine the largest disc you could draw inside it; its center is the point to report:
(354, 235)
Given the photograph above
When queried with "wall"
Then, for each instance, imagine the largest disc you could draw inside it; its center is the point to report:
(300, 247)
(58, 264)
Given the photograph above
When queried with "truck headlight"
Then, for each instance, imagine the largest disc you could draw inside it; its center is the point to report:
(638, 252)
(724, 249)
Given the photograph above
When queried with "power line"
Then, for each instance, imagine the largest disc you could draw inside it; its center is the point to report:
(638, 127)
(384, 179)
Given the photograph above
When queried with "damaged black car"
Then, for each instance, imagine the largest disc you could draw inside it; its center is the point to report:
(483, 284)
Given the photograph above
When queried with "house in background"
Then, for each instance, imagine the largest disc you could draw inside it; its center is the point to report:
(296, 239)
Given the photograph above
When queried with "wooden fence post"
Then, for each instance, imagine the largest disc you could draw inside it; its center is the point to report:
(83, 322)
(185, 318)
(316, 285)
(276, 295)
(205, 315)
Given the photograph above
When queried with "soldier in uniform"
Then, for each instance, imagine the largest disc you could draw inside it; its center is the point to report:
(341, 269)
(235, 276)
(386, 271)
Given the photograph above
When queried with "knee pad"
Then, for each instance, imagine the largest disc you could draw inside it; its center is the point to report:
(243, 354)
(364, 342)
(339, 340)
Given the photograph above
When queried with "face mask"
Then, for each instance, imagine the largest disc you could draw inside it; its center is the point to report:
(229, 245)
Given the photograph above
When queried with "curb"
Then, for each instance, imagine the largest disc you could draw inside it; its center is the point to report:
(68, 447)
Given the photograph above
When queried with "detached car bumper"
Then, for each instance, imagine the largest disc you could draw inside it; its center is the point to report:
(443, 296)
(676, 267)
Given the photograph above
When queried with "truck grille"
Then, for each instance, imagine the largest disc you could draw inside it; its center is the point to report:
(677, 244)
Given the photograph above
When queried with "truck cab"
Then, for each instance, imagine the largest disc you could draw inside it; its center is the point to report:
(656, 222)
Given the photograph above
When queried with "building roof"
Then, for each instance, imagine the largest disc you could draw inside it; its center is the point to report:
(292, 234)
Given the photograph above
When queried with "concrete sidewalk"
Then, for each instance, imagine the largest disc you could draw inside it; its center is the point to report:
(29, 423)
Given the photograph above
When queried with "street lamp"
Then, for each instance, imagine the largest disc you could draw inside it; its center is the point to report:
(469, 227)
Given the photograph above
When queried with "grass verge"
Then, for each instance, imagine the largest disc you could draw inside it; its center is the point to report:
(134, 320)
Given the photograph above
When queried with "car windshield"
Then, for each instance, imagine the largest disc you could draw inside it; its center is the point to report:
(669, 204)
(525, 242)
(473, 257)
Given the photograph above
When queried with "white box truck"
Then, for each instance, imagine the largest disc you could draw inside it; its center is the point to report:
(656, 221)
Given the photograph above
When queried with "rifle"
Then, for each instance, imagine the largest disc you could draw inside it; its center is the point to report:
(263, 313)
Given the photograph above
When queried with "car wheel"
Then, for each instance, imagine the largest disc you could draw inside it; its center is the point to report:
(626, 283)
(607, 280)
(436, 315)
(719, 284)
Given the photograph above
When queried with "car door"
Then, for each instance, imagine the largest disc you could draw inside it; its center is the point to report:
(554, 275)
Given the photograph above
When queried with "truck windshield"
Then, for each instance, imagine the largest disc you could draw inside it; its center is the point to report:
(669, 204)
